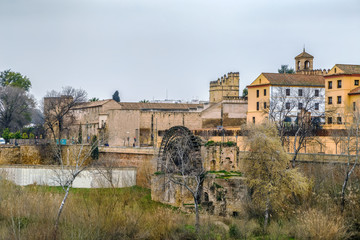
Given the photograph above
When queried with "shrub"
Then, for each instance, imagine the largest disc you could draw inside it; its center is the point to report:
(17, 135)
(25, 136)
(315, 224)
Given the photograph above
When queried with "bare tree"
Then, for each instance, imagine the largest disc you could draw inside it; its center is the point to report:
(352, 124)
(184, 167)
(76, 162)
(57, 109)
(280, 110)
(296, 114)
(15, 107)
(308, 119)
(338, 136)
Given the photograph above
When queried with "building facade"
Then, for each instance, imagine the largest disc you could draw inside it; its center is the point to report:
(342, 95)
(279, 96)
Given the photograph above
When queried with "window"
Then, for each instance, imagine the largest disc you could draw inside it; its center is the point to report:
(287, 105)
(316, 92)
(253, 119)
(257, 93)
(338, 99)
(329, 100)
(257, 106)
(288, 92)
(338, 120)
(264, 105)
(300, 92)
(339, 84)
(264, 92)
(316, 106)
(356, 82)
(354, 106)
(330, 85)
(300, 105)
(330, 120)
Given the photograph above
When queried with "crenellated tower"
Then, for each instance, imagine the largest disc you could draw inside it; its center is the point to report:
(226, 87)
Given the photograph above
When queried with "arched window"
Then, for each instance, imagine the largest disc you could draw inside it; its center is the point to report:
(298, 65)
(307, 65)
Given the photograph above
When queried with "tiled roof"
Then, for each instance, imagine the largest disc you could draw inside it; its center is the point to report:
(304, 55)
(91, 104)
(354, 91)
(158, 106)
(295, 79)
(349, 69)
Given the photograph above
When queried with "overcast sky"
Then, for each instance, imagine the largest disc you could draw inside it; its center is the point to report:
(147, 48)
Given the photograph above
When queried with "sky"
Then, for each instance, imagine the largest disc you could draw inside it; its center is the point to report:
(169, 48)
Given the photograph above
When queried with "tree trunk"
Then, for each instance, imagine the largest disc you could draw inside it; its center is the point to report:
(343, 191)
(267, 206)
(197, 215)
(60, 209)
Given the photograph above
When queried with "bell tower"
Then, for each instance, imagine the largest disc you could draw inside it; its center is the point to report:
(304, 62)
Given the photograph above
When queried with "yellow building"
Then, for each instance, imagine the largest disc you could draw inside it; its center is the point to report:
(342, 95)
(277, 96)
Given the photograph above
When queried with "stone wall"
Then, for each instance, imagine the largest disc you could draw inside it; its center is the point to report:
(227, 113)
(218, 158)
(141, 158)
(224, 197)
(152, 122)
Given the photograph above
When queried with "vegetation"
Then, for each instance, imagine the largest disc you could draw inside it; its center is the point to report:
(116, 96)
(14, 79)
(94, 99)
(272, 183)
(245, 93)
(286, 69)
(224, 144)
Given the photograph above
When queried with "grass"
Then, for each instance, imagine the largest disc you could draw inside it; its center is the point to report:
(225, 174)
(129, 213)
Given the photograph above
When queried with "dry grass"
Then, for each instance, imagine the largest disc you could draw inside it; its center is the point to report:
(29, 213)
(315, 224)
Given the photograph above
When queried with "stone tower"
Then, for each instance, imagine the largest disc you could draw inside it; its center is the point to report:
(304, 62)
(226, 87)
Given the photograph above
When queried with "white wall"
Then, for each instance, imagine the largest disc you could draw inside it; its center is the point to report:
(278, 92)
(51, 175)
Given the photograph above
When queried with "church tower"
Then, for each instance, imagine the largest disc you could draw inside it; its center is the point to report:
(304, 62)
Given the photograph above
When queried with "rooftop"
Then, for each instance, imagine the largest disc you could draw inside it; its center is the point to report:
(295, 79)
(304, 55)
(159, 106)
(91, 104)
(355, 91)
(348, 68)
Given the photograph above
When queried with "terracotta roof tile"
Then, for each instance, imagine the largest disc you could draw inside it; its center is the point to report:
(304, 55)
(295, 79)
(158, 106)
(91, 104)
(349, 69)
(354, 91)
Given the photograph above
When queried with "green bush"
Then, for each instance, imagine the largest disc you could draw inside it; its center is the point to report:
(17, 135)
(25, 136)
(6, 134)
(31, 136)
(210, 143)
